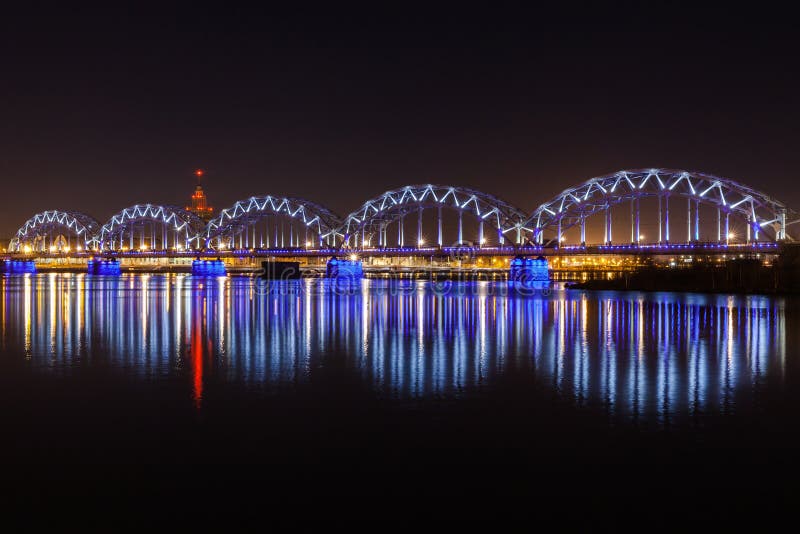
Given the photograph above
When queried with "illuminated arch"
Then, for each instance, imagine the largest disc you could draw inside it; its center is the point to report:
(232, 221)
(375, 214)
(178, 228)
(50, 225)
(573, 206)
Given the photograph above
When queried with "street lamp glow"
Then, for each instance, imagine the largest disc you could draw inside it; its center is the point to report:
(421, 242)
(26, 249)
(308, 244)
(52, 248)
(731, 235)
(483, 241)
(641, 237)
(353, 257)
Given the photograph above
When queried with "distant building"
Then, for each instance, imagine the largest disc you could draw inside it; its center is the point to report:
(200, 205)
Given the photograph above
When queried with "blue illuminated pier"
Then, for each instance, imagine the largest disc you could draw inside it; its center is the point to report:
(18, 267)
(108, 267)
(202, 267)
(341, 268)
(529, 273)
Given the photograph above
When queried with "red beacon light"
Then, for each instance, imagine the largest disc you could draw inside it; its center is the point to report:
(199, 173)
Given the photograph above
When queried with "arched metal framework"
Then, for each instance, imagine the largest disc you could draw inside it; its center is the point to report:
(573, 206)
(319, 220)
(178, 226)
(49, 224)
(392, 206)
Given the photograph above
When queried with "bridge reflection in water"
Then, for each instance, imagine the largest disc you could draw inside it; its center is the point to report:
(654, 358)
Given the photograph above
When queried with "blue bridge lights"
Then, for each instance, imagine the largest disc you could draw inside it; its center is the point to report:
(763, 217)
(668, 206)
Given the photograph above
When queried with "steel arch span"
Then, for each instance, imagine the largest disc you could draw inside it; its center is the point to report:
(573, 206)
(244, 214)
(41, 227)
(392, 206)
(168, 224)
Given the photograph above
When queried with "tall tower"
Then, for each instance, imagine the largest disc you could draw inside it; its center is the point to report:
(200, 205)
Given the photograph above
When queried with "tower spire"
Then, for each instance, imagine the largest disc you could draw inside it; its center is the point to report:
(200, 205)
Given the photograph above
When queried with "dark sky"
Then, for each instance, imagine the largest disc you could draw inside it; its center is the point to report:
(101, 108)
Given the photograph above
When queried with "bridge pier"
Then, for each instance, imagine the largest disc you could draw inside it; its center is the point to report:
(349, 269)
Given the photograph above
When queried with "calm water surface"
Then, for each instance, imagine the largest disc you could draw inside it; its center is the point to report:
(448, 364)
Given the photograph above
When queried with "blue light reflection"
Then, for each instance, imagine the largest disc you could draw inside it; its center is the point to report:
(655, 358)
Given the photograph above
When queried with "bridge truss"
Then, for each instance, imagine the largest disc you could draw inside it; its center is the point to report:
(56, 230)
(762, 214)
(258, 222)
(150, 227)
(278, 223)
(368, 226)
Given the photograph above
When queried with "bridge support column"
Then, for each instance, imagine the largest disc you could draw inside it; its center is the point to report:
(782, 222)
(660, 219)
(719, 226)
(608, 225)
(638, 232)
(439, 222)
(481, 240)
(633, 236)
(688, 220)
(560, 235)
(748, 230)
(697, 220)
(419, 227)
(460, 226)
(666, 218)
(583, 230)
(400, 240)
(727, 228)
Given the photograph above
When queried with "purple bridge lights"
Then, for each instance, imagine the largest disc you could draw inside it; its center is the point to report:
(638, 211)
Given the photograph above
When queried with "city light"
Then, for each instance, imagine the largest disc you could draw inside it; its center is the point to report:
(353, 257)
(421, 242)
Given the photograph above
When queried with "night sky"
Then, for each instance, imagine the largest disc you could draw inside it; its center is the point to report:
(101, 108)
